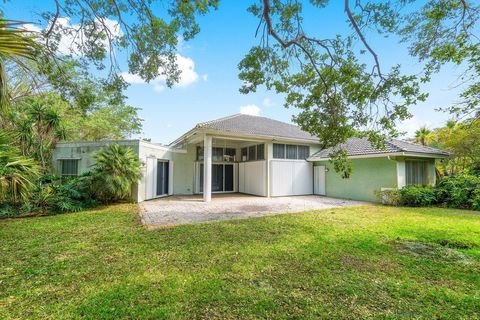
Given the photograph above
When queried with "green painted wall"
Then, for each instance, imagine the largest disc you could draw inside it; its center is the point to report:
(367, 176)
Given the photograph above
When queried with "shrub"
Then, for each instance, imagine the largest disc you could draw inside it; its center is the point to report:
(8, 211)
(459, 191)
(390, 197)
(53, 196)
(116, 170)
(17, 172)
(418, 196)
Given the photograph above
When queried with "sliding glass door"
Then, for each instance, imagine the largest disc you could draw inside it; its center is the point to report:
(162, 178)
(222, 177)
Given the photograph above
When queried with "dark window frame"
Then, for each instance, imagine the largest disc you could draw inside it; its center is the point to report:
(75, 163)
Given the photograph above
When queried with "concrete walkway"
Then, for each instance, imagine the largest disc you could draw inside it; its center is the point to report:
(178, 210)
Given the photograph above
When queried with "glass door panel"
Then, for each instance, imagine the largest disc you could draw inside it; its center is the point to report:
(217, 177)
(228, 177)
(162, 178)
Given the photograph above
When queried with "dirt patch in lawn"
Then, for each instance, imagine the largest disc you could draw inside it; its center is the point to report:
(419, 249)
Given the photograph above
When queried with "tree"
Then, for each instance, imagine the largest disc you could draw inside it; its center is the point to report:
(461, 140)
(15, 45)
(116, 170)
(423, 135)
(339, 83)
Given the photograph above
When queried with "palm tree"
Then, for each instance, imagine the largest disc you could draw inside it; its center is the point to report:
(47, 129)
(15, 44)
(16, 172)
(422, 135)
(116, 169)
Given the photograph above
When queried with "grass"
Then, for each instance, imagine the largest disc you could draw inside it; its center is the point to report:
(363, 262)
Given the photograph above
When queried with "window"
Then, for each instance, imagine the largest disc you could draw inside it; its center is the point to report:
(199, 153)
(303, 152)
(218, 154)
(291, 151)
(244, 154)
(260, 152)
(278, 151)
(416, 172)
(69, 167)
(230, 154)
(252, 153)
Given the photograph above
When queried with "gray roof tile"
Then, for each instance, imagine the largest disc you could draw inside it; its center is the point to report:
(362, 147)
(256, 125)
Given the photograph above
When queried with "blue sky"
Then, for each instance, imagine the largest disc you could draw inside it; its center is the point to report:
(209, 88)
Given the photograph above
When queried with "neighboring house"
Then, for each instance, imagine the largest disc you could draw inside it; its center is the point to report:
(259, 156)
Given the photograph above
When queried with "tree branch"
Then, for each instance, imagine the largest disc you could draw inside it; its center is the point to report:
(362, 38)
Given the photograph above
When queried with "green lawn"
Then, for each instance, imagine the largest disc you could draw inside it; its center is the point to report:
(344, 263)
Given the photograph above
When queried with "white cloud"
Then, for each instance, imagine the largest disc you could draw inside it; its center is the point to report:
(267, 102)
(132, 78)
(250, 109)
(72, 35)
(187, 68)
(409, 126)
(188, 75)
(31, 27)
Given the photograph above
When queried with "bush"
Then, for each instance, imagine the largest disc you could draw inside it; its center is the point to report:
(116, 169)
(418, 196)
(459, 191)
(52, 195)
(391, 197)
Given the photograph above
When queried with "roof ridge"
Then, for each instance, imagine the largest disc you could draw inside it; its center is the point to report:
(219, 119)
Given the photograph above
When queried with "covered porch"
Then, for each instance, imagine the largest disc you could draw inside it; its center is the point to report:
(229, 164)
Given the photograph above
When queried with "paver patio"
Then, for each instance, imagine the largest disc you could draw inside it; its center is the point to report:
(178, 210)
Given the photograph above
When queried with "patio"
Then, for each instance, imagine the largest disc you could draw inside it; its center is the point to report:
(179, 210)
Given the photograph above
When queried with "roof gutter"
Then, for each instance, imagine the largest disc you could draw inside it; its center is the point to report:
(388, 155)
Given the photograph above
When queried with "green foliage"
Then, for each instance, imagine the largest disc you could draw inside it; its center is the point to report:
(16, 45)
(462, 140)
(459, 191)
(116, 170)
(423, 135)
(445, 32)
(16, 172)
(341, 164)
(52, 195)
(391, 197)
(418, 196)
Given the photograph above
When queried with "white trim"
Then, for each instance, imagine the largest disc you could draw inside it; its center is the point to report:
(385, 155)
(242, 136)
(105, 143)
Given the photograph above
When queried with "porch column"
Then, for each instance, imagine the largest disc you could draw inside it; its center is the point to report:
(207, 168)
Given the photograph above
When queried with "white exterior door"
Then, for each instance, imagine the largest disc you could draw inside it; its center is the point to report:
(151, 178)
(319, 180)
(290, 178)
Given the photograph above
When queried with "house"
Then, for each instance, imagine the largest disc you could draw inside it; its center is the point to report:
(259, 156)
